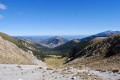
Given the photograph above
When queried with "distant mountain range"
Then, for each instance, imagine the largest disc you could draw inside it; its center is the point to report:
(102, 34)
(37, 38)
(50, 42)
(53, 42)
(33, 38)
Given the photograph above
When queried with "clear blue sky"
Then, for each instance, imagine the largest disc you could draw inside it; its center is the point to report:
(59, 17)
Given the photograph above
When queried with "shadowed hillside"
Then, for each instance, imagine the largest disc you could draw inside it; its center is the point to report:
(102, 53)
(66, 48)
(76, 45)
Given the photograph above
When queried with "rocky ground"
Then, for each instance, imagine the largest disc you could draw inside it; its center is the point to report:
(35, 72)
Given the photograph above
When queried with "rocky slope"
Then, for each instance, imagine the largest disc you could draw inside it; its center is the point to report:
(11, 54)
(103, 53)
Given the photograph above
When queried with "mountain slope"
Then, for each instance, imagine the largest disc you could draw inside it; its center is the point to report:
(102, 34)
(53, 42)
(38, 50)
(11, 54)
(20, 43)
(73, 47)
(102, 54)
(66, 48)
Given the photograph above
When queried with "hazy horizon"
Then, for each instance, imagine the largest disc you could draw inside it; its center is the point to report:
(62, 35)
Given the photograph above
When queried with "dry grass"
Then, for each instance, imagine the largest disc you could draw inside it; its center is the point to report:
(96, 63)
(63, 73)
(11, 54)
(76, 40)
(102, 54)
(49, 69)
(55, 61)
(19, 66)
(97, 39)
(86, 75)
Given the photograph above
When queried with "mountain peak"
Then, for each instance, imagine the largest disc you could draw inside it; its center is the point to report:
(57, 37)
(54, 41)
(109, 30)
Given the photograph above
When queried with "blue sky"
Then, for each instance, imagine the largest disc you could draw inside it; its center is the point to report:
(59, 17)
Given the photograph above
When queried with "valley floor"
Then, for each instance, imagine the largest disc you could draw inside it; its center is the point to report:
(35, 72)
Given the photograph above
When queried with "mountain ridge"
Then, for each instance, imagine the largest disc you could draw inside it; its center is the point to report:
(101, 53)
(102, 34)
(53, 41)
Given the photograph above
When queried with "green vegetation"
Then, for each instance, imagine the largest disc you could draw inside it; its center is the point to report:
(49, 69)
(40, 67)
(71, 48)
(65, 49)
(76, 40)
(19, 66)
(81, 45)
(55, 61)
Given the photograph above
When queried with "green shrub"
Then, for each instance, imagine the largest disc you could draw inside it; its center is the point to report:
(49, 69)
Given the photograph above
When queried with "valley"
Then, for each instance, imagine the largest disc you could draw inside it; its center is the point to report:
(59, 39)
(90, 58)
